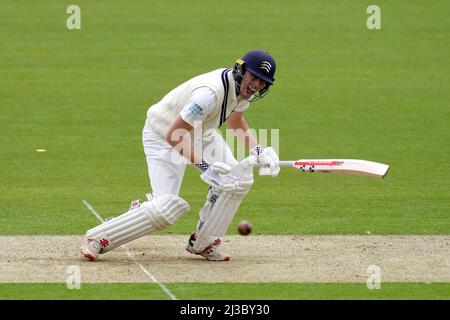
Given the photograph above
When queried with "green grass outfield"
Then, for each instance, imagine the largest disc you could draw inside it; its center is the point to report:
(341, 91)
(230, 291)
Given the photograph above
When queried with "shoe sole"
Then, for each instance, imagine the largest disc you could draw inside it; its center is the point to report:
(188, 249)
(224, 259)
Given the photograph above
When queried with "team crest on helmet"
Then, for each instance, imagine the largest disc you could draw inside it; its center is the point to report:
(266, 66)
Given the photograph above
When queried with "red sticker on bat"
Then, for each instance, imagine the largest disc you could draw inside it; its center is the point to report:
(319, 163)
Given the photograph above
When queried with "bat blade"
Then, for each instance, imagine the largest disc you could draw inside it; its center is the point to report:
(341, 166)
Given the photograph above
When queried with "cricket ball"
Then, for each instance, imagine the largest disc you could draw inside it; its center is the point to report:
(244, 228)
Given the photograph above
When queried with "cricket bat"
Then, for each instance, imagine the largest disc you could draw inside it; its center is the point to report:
(343, 166)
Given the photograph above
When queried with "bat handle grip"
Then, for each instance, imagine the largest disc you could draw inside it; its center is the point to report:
(252, 160)
(283, 164)
(287, 163)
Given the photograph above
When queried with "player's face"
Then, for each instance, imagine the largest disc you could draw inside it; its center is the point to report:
(250, 85)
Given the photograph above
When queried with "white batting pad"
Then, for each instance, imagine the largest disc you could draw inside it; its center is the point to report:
(152, 215)
(221, 206)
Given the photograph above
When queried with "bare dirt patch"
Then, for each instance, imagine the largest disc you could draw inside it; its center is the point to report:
(254, 259)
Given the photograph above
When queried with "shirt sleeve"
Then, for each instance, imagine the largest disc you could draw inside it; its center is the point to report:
(242, 106)
(200, 104)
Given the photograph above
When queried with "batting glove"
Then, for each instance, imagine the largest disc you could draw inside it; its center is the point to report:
(269, 163)
(218, 176)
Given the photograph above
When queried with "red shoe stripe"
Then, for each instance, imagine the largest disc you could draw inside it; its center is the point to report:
(89, 257)
(104, 243)
(207, 248)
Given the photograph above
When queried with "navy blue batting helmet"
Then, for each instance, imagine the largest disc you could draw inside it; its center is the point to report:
(259, 63)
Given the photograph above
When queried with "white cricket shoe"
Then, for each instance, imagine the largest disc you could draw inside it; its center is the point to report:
(211, 252)
(90, 248)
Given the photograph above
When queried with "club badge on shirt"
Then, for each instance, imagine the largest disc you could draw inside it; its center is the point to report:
(195, 109)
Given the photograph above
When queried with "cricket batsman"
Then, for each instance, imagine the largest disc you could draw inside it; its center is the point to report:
(182, 129)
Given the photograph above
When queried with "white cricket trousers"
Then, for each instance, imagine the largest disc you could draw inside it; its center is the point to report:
(166, 165)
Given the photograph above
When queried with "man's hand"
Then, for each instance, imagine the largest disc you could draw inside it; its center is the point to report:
(217, 176)
(269, 163)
